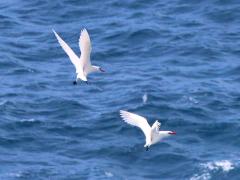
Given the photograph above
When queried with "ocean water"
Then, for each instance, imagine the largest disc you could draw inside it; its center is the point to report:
(177, 61)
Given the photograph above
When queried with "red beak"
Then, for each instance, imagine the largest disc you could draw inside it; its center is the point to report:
(172, 133)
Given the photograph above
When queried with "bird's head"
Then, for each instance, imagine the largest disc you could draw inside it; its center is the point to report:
(165, 134)
(97, 69)
(172, 132)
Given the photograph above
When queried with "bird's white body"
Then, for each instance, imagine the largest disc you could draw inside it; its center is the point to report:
(83, 63)
(152, 134)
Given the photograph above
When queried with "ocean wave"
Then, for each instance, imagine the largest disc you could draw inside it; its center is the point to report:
(210, 169)
(183, 54)
(224, 165)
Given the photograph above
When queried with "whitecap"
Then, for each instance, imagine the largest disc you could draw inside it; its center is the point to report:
(193, 100)
(108, 174)
(224, 165)
(189, 99)
(28, 120)
(14, 174)
(204, 176)
(145, 98)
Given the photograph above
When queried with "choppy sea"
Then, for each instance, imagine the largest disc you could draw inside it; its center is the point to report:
(177, 61)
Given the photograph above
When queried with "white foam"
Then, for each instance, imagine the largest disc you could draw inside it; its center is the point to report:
(145, 98)
(224, 165)
(30, 70)
(189, 99)
(28, 120)
(15, 175)
(108, 174)
(193, 100)
(204, 176)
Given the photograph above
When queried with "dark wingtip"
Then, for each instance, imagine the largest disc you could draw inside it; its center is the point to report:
(74, 82)
(102, 70)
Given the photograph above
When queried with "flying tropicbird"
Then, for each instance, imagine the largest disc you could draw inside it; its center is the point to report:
(152, 134)
(83, 64)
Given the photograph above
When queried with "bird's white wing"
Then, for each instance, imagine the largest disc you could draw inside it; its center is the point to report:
(156, 126)
(85, 48)
(72, 56)
(155, 133)
(138, 121)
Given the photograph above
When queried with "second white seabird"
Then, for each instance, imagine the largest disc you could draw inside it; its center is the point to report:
(152, 134)
(83, 63)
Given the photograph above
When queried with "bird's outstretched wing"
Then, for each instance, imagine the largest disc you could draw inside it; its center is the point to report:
(155, 134)
(72, 56)
(136, 120)
(156, 126)
(85, 48)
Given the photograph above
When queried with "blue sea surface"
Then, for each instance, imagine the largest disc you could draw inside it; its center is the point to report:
(184, 56)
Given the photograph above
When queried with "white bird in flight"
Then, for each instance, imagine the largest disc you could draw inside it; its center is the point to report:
(152, 134)
(82, 64)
